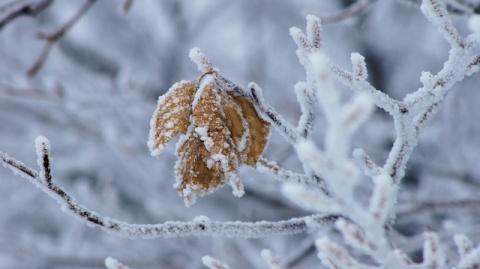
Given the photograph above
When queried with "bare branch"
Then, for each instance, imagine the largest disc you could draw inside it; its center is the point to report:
(349, 12)
(16, 8)
(52, 38)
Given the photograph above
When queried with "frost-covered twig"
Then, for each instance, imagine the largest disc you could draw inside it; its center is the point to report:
(284, 175)
(199, 226)
(52, 38)
(15, 8)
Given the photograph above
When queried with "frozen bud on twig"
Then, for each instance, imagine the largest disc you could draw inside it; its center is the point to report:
(314, 31)
(42, 146)
(359, 66)
(201, 60)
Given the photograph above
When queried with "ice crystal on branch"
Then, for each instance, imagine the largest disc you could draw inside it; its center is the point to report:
(220, 131)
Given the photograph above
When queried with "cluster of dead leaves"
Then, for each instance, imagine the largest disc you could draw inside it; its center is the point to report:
(220, 131)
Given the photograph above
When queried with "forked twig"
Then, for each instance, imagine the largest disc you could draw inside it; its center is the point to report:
(52, 38)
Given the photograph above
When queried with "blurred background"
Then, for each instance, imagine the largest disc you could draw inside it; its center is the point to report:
(97, 89)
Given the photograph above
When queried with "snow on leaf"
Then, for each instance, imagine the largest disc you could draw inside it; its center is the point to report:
(192, 172)
(171, 116)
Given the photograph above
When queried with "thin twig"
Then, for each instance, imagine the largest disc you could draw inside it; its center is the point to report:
(349, 12)
(52, 38)
(15, 8)
(420, 207)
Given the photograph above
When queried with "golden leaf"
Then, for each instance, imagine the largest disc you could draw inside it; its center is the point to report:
(172, 115)
(193, 174)
(213, 131)
(258, 128)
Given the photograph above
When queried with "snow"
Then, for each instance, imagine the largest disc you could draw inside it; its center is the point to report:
(204, 136)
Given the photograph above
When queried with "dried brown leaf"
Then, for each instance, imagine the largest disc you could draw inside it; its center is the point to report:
(259, 130)
(213, 131)
(238, 127)
(194, 176)
(172, 115)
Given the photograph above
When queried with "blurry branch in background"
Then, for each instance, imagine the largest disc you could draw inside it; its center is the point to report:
(127, 5)
(16, 8)
(52, 38)
(348, 12)
(431, 206)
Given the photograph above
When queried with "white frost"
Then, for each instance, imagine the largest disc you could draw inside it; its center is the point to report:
(204, 136)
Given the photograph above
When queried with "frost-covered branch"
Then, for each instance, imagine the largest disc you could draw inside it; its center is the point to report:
(52, 38)
(284, 175)
(199, 226)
